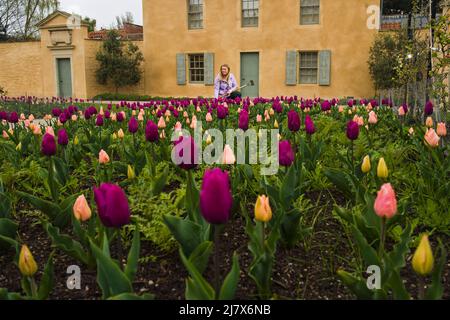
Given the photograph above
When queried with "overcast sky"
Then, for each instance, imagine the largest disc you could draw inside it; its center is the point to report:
(104, 11)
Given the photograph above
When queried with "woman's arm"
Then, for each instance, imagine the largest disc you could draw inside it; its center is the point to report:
(233, 83)
(216, 87)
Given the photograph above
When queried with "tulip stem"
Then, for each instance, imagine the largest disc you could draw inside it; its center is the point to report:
(353, 160)
(382, 237)
(421, 288)
(216, 230)
(33, 287)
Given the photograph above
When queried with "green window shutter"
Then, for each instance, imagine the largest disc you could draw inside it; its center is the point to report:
(181, 69)
(291, 68)
(209, 69)
(325, 68)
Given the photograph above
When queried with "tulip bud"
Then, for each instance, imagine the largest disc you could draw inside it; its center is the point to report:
(27, 264)
(382, 170)
(263, 211)
(19, 146)
(130, 173)
(423, 260)
(76, 141)
(208, 140)
(81, 209)
(429, 122)
(441, 129)
(120, 134)
(366, 166)
(103, 157)
(275, 125)
(114, 136)
(385, 205)
(228, 156)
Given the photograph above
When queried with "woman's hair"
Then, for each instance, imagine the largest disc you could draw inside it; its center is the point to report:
(229, 71)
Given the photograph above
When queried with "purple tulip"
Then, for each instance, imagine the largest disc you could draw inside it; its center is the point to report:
(13, 117)
(120, 117)
(87, 114)
(326, 105)
(48, 146)
(221, 112)
(112, 205)
(405, 108)
(186, 144)
(151, 131)
(63, 118)
(215, 196)
(3, 115)
(309, 125)
(133, 125)
(293, 121)
(107, 114)
(63, 138)
(286, 154)
(277, 107)
(352, 130)
(243, 120)
(56, 112)
(99, 121)
(429, 108)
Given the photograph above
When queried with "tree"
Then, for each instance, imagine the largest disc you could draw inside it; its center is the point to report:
(441, 62)
(118, 65)
(127, 18)
(383, 60)
(18, 18)
(92, 23)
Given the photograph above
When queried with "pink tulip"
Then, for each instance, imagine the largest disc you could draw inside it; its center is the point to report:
(373, 119)
(113, 117)
(31, 117)
(5, 135)
(161, 123)
(258, 118)
(27, 123)
(178, 126)
(50, 130)
(431, 138)
(140, 117)
(401, 111)
(209, 117)
(37, 130)
(103, 157)
(429, 122)
(74, 117)
(228, 155)
(341, 109)
(385, 205)
(194, 122)
(81, 209)
(441, 129)
(411, 131)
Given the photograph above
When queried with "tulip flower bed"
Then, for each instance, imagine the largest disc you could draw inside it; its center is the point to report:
(335, 200)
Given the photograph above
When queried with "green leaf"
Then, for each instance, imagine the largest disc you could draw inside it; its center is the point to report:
(49, 208)
(8, 229)
(288, 187)
(110, 278)
(192, 199)
(399, 291)
(160, 182)
(356, 285)
(368, 253)
(67, 244)
(290, 228)
(186, 232)
(197, 288)
(133, 256)
(5, 206)
(398, 254)
(230, 283)
(200, 257)
(435, 291)
(47, 280)
(132, 296)
(61, 170)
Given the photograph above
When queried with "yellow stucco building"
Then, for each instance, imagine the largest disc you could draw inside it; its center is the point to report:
(307, 48)
(288, 47)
